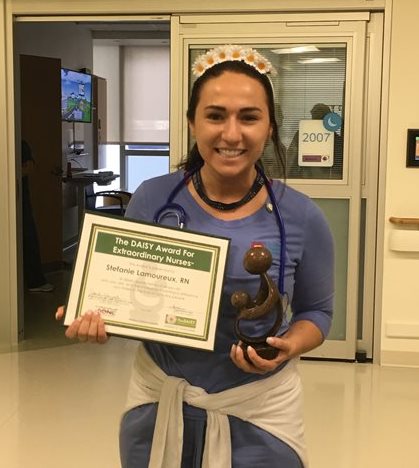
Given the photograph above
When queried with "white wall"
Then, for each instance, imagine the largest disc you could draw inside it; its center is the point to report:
(400, 298)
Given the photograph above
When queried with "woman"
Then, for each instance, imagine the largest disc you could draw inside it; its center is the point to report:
(240, 413)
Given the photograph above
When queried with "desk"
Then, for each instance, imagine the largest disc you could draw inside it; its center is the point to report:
(81, 179)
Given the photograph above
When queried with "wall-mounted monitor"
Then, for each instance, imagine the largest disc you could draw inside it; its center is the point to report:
(76, 96)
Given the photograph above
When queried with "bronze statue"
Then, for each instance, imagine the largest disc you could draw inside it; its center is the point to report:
(257, 261)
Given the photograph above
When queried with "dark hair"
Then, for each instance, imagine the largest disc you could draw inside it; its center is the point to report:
(319, 111)
(194, 159)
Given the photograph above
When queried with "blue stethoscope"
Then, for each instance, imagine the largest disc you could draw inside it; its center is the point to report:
(171, 208)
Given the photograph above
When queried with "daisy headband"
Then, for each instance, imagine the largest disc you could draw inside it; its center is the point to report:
(226, 53)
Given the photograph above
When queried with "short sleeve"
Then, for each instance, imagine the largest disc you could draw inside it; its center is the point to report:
(314, 277)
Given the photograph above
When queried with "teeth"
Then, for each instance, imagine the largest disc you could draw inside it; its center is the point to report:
(230, 152)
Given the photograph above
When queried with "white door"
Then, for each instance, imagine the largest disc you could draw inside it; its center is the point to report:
(324, 63)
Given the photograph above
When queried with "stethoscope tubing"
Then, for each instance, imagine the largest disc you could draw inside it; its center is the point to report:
(180, 213)
(282, 234)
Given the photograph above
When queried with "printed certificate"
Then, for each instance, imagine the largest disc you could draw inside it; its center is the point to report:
(148, 281)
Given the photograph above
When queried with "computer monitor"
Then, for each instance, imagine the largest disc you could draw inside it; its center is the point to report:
(76, 96)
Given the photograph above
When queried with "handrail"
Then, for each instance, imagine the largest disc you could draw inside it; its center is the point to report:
(398, 220)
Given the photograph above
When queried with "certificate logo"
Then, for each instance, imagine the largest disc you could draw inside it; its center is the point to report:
(180, 321)
(171, 319)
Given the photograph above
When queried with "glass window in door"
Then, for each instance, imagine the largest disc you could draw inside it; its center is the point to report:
(309, 93)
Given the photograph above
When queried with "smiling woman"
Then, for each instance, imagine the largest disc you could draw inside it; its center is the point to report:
(221, 190)
(232, 116)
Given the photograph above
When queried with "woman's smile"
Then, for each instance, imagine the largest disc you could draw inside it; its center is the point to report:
(230, 153)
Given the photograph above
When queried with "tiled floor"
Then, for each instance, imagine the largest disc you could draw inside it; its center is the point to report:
(60, 403)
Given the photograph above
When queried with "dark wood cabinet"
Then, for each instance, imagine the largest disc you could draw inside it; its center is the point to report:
(40, 98)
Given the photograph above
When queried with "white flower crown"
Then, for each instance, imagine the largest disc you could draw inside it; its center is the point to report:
(227, 53)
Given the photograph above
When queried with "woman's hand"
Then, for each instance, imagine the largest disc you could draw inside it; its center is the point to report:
(88, 327)
(260, 365)
(301, 337)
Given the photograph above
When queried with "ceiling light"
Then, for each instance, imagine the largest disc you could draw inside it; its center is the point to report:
(296, 50)
(319, 60)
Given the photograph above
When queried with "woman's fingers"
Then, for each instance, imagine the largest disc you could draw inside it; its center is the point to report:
(88, 327)
(93, 327)
(237, 356)
(97, 333)
(263, 365)
(73, 329)
(84, 327)
(102, 336)
(59, 314)
(257, 365)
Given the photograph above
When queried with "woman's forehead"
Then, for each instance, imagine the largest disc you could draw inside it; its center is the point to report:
(231, 87)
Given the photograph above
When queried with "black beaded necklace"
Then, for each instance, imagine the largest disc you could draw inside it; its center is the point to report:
(258, 183)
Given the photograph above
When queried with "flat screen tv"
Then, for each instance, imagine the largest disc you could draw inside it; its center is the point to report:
(76, 96)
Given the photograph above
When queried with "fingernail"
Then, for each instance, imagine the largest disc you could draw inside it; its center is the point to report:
(270, 340)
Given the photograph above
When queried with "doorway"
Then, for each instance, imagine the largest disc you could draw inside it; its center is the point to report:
(328, 65)
(49, 41)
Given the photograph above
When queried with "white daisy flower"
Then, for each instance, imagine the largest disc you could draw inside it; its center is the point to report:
(237, 52)
(228, 52)
(199, 67)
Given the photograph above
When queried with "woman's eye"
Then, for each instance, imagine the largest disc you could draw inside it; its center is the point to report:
(250, 117)
(214, 116)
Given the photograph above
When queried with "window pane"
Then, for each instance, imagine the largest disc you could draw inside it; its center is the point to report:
(109, 157)
(337, 214)
(109, 160)
(311, 88)
(140, 168)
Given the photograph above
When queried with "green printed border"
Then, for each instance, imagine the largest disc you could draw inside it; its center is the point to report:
(214, 268)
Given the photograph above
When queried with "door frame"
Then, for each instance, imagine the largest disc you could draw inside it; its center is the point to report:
(189, 31)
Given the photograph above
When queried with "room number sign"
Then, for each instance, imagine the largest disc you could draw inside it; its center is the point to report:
(315, 144)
